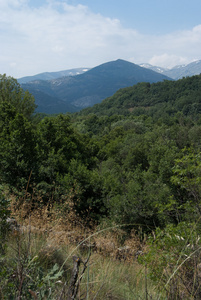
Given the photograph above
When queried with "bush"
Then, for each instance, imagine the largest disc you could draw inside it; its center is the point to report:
(174, 260)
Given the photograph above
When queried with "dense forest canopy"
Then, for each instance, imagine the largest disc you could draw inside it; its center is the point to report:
(157, 99)
(133, 159)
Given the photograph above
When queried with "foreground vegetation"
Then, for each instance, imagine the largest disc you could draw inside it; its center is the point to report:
(132, 164)
(38, 260)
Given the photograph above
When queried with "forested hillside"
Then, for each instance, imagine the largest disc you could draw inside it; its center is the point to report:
(159, 99)
(133, 160)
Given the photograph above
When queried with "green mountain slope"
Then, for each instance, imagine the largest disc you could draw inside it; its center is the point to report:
(157, 99)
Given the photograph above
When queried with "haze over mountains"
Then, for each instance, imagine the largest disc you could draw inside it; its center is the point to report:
(70, 91)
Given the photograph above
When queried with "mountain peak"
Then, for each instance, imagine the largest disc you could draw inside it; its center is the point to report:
(123, 69)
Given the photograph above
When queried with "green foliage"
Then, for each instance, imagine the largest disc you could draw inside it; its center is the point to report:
(11, 93)
(17, 147)
(88, 193)
(126, 166)
(24, 276)
(187, 178)
(159, 100)
(58, 145)
(138, 164)
(17, 151)
(173, 259)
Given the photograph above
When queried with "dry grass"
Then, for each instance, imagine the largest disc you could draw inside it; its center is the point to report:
(54, 234)
(113, 272)
(62, 226)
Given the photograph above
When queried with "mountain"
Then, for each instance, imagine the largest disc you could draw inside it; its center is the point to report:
(50, 104)
(52, 75)
(154, 68)
(93, 86)
(177, 72)
(181, 71)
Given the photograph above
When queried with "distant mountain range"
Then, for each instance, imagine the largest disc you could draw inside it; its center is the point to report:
(75, 89)
(52, 75)
(179, 71)
(72, 93)
(176, 72)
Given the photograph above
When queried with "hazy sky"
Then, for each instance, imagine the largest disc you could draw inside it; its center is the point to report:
(52, 35)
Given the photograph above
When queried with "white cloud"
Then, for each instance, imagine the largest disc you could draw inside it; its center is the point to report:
(176, 48)
(58, 36)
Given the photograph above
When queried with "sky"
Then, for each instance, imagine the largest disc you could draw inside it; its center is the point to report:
(52, 35)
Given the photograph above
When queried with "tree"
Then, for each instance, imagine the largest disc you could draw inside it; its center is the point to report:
(17, 149)
(17, 139)
(12, 93)
(187, 178)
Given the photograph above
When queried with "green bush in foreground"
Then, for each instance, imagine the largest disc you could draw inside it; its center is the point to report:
(174, 260)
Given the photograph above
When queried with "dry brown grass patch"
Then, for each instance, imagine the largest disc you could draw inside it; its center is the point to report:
(61, 226)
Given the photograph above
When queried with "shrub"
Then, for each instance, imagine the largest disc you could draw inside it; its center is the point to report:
(174, 260)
